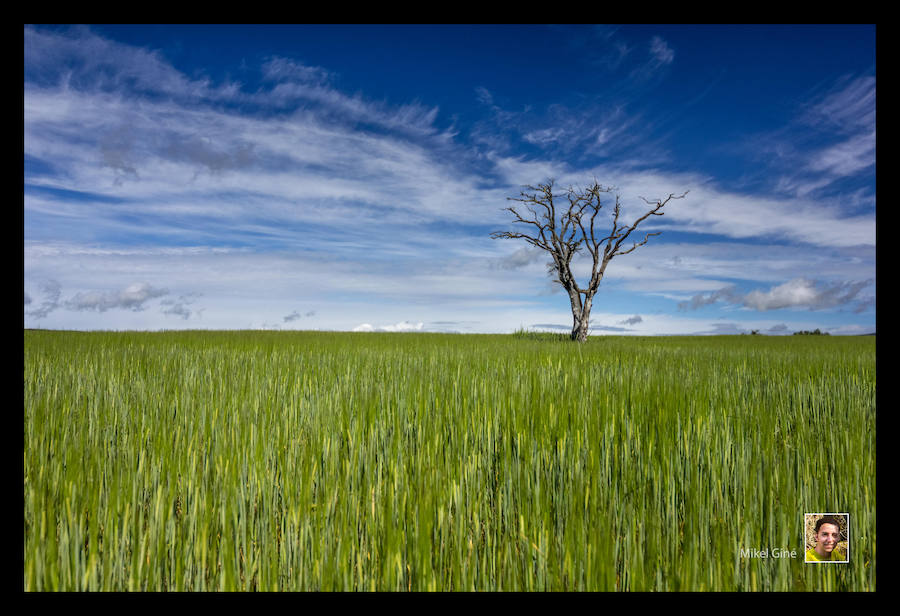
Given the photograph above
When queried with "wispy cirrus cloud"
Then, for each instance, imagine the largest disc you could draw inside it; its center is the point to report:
(193, 170)
(712, 209)
(830, 141)
(659, 56)
(660, 51)
(585, 129)
(849, 110)
(285, 69)
(848, 106)
(846, 158)
(77, 59)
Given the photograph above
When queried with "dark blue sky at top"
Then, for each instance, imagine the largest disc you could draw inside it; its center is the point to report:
(529, 62)
(727, 81)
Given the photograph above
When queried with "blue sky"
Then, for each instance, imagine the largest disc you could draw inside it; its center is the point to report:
(348, 177)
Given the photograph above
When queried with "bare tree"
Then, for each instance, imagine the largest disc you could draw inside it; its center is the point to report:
(563, 224)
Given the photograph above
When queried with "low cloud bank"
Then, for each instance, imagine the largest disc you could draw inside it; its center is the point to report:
(179, 307)
(403, 326)
(134, 297)
(51, 291)
(131, 298)
(796, 293)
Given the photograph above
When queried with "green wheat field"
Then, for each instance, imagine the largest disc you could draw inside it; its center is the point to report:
(305, 461)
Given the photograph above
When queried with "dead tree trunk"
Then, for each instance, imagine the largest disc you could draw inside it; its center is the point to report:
(564, 232)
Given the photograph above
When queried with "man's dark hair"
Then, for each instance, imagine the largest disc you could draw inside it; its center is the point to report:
(829, 519)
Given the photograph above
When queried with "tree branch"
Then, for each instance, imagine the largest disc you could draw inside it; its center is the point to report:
(512, 235)
(658, 205)
(565, 236)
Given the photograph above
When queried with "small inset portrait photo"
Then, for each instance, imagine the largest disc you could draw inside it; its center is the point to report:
(827, 537)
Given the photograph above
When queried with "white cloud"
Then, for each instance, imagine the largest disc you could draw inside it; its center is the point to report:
(179, 307)
(710, 210)
(848, 106)
(133, 297)
(522, 257)
(660, 55)
(285, 69)
(403, 326)
(796, 293)
(208, 163)
(847, 157)
(832, 138)
(78, 58)
(802, 292)
(661, 51)
(51, 291)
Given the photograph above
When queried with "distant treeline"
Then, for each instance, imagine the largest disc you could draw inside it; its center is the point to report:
(816, 332)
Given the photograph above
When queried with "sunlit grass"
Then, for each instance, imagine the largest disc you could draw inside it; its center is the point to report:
(339, 461)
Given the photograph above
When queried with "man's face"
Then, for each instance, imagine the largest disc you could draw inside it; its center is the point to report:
(827, 538)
